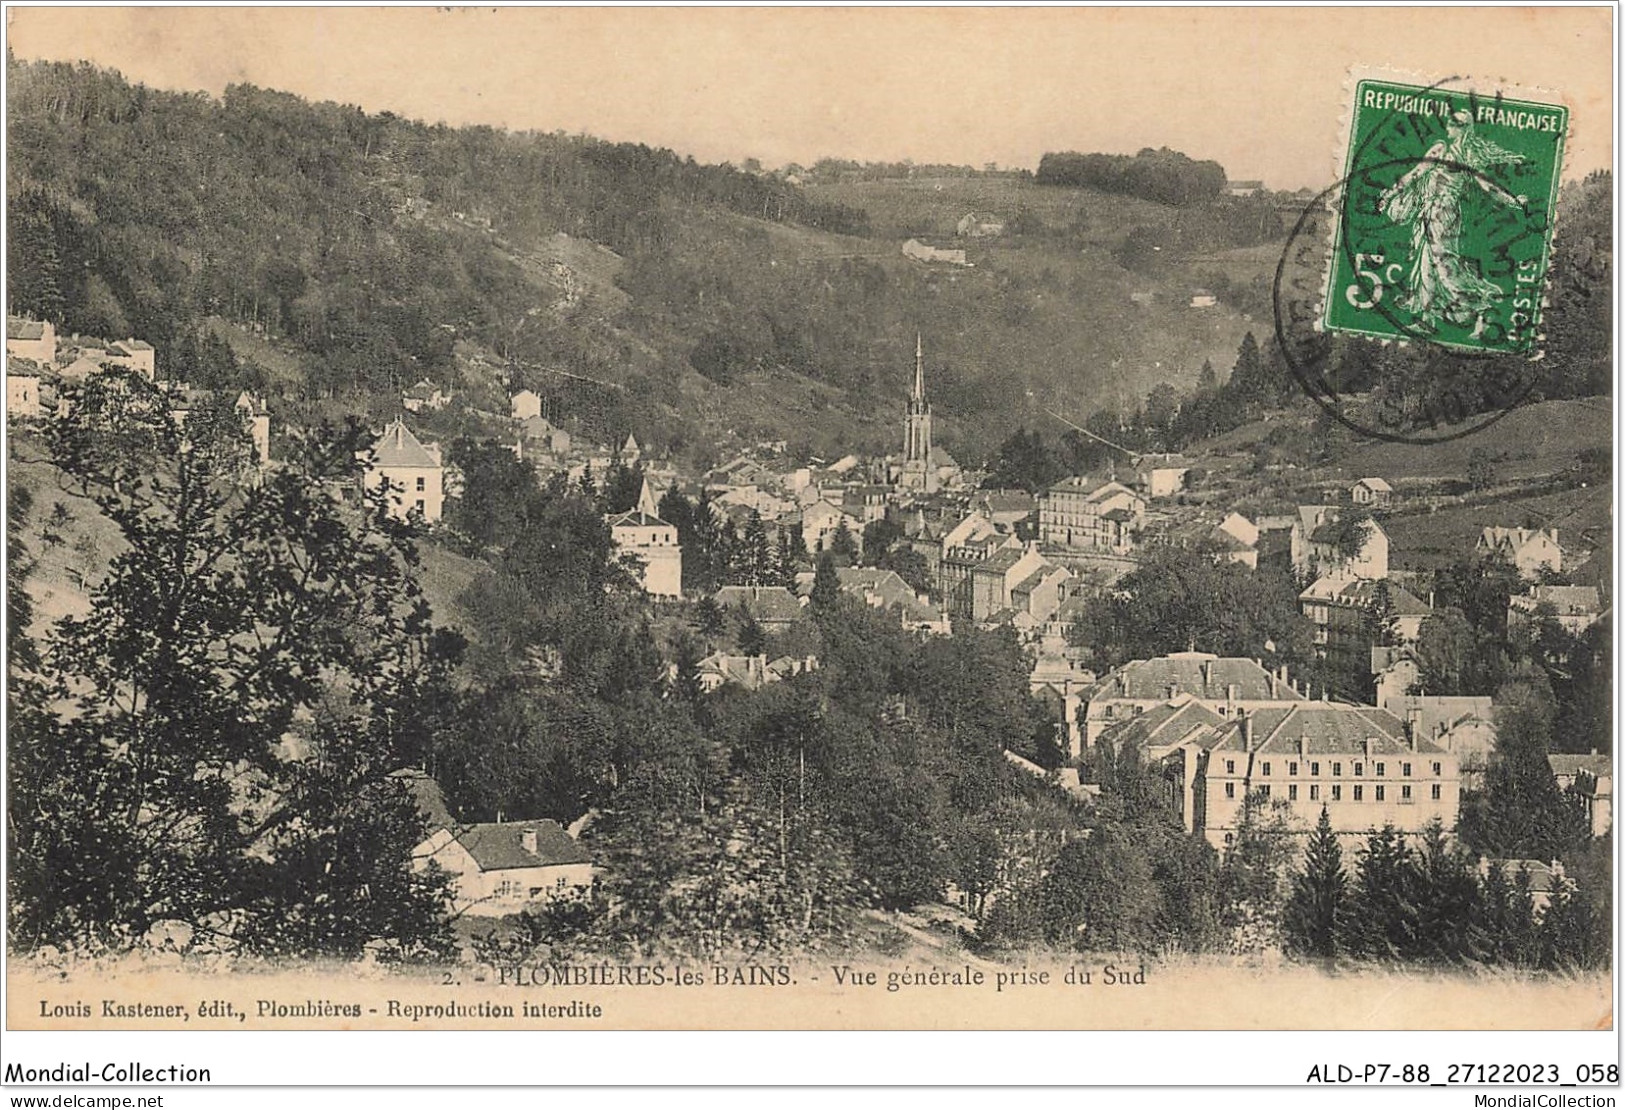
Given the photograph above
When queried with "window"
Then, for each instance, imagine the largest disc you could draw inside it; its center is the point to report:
(1359, 770)
(1435, 791)
(1314, 792)
(1382, 769)
(1405, 770)
(1229, 790)
(1292, 793)
(1264, 791)
(1314, 769)
(1229, 839)
(421, 486)
(1337, 770)
(1405, 793)
(1229, 766)
(1436, 769)
(1359, 793)
(1266, 767)
(1291, 768)
(418, 504)
(1379, 793)
(1337, 792)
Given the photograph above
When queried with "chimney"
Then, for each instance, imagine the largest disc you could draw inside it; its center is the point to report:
(1247, 732)
(1207, 675)
(1369, 742)
(1413, 724)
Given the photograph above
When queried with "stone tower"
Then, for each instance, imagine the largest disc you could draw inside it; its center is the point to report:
(918, 473)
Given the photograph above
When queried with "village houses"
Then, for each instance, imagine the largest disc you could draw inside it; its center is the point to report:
(1575, 608)
(1531, 550)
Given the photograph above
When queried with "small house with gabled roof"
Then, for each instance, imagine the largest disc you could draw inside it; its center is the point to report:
(501, 868)
(409, 471)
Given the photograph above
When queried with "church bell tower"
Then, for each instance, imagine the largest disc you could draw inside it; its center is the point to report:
(917, 470)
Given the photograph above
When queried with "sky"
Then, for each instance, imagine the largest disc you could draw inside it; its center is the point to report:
(1262, 91)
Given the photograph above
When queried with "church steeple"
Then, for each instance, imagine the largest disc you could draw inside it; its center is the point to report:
(919, 368)
(916, 471)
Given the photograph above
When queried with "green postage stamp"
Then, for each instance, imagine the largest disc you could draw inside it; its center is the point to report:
(1443, 230)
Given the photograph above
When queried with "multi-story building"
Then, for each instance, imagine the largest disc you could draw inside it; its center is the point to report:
(1575, 608)
(31, 339)
(1227, 685)
(22, 388)
(1323, 551)
(1359, 763)
(1078, 512)
(652, 545)
(966, 546)
(409, 471)
(1343, 608)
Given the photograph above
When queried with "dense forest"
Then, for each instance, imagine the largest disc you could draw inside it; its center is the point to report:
(373, 249)
(1164, 175)
(136, 211)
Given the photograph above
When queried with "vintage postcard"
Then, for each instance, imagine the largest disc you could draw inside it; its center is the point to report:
(809, 519)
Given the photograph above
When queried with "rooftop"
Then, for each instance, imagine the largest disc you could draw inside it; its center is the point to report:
(1197, 673)
(399, 447)
(501, 847)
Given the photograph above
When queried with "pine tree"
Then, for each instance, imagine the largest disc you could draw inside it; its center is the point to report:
(1567, 935)
(752, 637)
(756, 553)
(826, 588)
(1447, 901)
(1253, 881)
(1506, 916)
(784, 563)
(1207, 379)
(1524, 814)
(1316, 912)
(1382, 914)
(843, 545)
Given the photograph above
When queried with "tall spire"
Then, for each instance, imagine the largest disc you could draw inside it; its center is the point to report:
(919, 368)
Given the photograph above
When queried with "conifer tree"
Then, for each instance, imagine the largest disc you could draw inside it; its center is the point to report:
(1447, 901)
(1316, 912)
(826, 588)
(752, 637)
(1382, 913)
(1567, 935)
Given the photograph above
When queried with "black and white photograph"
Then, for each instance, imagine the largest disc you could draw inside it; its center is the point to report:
(567, 519)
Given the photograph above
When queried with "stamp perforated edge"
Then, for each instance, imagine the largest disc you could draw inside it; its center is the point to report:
(1341, 156)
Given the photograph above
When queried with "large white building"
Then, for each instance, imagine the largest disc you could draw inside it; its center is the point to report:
(652, 544)
(1363, 765)
(411, 472)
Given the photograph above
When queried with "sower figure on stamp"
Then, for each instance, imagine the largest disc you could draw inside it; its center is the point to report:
(1441, 284)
